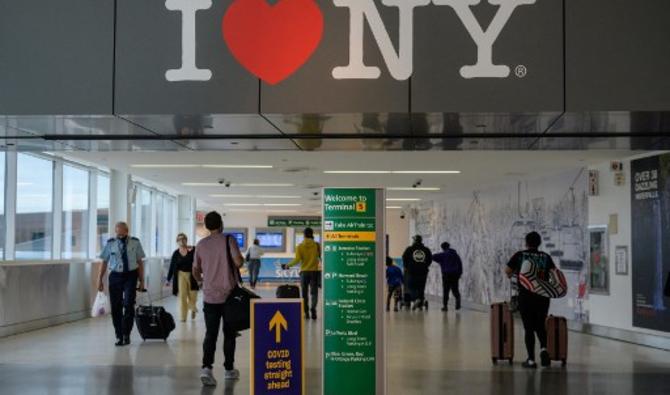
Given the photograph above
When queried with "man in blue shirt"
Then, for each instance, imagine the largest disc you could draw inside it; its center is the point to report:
(452, 270)
(123, 256)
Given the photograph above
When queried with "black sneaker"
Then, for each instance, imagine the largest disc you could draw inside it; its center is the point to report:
(306, 316)
(445, 309)
(529, 364)
(119, 343)
(313, 314)
(126, 340)
(545, 360)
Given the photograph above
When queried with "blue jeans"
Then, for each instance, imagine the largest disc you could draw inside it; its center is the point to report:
(254, 269)
(122, 293)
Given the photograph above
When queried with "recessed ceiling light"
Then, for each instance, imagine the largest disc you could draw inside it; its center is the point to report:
(261, 185)
(166, 166)
(392, 172)
(424, 189)
(237, 166)
(216, 184)
(426, 172)
(231, 196)
(357, 172)
(262, 204)
(403, 200)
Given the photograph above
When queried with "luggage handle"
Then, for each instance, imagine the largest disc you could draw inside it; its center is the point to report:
(146, 291)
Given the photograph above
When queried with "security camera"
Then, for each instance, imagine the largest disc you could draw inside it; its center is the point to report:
(315, 193)
(402, 215)
(417, 183)
(227, 184)
(221, 181)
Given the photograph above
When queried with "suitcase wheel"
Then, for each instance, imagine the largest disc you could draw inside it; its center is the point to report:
(494, 360)
(511, 361)
(564, 362)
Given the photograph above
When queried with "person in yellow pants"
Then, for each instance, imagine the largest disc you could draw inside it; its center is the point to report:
(183, 283)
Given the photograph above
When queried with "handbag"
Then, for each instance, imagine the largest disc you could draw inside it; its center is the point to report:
(552, 285)
(237, 309)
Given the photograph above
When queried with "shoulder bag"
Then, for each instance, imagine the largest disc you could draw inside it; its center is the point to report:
(237, 309)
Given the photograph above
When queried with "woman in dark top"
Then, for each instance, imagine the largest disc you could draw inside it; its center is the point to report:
(183, 283)
(533, 307)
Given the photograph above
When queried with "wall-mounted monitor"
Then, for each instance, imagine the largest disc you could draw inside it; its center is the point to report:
(271, 239)
(240, 234)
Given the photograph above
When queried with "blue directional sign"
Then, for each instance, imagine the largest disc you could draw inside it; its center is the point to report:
(277, 366)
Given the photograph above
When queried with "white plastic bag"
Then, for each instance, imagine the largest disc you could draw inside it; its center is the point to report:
(100, 305)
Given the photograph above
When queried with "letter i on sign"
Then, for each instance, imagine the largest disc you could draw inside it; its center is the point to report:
(188, 71)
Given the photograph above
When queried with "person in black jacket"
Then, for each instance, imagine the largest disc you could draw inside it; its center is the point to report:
(184, 284)
(417, 259)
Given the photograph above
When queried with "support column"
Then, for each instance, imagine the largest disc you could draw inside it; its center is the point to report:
(186, 216)
(119, 202)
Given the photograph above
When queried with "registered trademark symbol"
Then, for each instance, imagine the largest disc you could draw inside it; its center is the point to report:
(521, 71)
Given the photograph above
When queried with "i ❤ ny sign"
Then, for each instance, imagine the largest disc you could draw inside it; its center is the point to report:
(337, 56)
(274, 39)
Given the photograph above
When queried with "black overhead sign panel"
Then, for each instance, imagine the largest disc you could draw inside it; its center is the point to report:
(332, 56)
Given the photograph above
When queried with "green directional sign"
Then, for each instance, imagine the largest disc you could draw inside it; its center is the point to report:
(353, 344)
(294, 222)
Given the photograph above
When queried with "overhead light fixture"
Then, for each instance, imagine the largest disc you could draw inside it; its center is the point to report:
(403, 200)
(166, 166)
(262, 185)
(393, 207)
(192, 166)
(357, 172)
(262, 204)
(426, 172)
(392, 172)
(231, 196)
(421, 189)
(281, 211)
(246, 185)
(238, 166)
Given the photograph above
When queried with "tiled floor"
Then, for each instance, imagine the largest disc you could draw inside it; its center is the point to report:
(428, 353)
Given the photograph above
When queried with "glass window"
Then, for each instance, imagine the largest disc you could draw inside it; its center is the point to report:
(102, 221)
(160, 224)
(2, 205)
(145, 218)
(34, 207)
(75, 213)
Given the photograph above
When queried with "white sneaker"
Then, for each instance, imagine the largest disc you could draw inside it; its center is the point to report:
(232, 374)
(207, 378)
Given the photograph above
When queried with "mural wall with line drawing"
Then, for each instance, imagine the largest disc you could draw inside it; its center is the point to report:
(488, 227)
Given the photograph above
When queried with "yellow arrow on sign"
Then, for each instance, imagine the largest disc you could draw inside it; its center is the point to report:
(276, 324)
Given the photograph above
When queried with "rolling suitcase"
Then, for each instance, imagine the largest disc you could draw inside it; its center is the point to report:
(557, 339)
(153, 322)
(288, 291)
(502, 333)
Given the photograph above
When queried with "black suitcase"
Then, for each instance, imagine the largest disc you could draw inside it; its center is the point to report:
(153, 322)
(288, 291)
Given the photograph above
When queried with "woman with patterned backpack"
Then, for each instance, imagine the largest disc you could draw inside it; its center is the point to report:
(539, 281)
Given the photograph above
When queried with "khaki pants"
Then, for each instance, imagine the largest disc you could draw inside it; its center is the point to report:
(187, 298)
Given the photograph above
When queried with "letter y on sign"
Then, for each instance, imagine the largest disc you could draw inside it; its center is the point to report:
(484, 68)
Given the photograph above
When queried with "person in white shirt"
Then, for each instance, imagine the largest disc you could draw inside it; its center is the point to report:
(253, 256)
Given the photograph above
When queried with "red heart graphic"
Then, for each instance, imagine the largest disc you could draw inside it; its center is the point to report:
(273, 41)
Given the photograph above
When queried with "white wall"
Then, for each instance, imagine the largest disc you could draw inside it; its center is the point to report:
(616, 309)
(398, 230)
